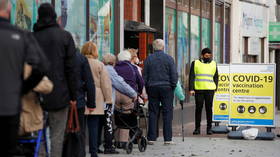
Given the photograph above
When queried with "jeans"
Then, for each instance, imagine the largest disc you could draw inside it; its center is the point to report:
(57, 122)
(82, 132)
(8, 135)
(201, 97)
(93, 132)
(165, 96)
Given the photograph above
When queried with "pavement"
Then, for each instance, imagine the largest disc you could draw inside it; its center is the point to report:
(216, 145)
(207, 147)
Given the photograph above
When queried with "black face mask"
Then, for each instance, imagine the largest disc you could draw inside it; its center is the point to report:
(207, 60)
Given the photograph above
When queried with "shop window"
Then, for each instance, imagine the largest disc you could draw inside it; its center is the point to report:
(170, 31)
(262, 49)
(195, 37)
(245, 49)
(218, 13)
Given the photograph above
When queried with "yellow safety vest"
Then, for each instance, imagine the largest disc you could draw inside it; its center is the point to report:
(204, 74)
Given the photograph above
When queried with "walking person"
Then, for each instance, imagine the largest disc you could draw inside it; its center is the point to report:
(103, 90)
(203, 82)
(59, 47)
(160, 78)
(17, 47)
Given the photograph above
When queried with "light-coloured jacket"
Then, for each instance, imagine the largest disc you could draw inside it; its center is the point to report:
(31, 117)
(103, 86)
(119, 84)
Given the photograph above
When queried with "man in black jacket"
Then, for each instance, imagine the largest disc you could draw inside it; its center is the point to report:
(16, 48)
(203, 82)
(59, 47)
(160, 78)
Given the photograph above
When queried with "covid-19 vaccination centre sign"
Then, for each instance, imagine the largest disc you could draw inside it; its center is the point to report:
(246, 93)
(222, 95)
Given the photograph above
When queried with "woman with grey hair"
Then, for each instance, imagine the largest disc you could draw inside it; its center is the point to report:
(131, 76)
(118, 82)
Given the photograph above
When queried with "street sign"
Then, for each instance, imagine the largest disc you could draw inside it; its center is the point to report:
(274, 31)
(252, 88)
(222, 95)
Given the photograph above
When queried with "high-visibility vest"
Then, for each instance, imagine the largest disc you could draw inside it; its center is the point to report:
(204, 74)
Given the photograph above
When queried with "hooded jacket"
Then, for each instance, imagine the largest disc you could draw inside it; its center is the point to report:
(59, 47)
(16, 48)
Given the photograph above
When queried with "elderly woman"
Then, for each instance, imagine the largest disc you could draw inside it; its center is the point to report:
(123, 103)
(135, 61)
(118, 82)
(103, 90)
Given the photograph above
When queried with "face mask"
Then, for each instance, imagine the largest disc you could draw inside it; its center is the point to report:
(207, 60)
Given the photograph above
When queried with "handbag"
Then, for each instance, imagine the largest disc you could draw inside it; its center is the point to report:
(73, 119)
(72, 141)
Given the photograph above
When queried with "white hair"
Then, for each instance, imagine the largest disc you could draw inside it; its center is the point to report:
(158, 44)
(4, 4)
(124, 56)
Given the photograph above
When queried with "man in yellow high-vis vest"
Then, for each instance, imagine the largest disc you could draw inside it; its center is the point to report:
(203, 82)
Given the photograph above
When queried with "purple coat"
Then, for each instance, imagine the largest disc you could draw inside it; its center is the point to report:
(131, 75)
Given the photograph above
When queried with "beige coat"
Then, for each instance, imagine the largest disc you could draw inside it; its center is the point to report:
(103, 86)
(31, 117)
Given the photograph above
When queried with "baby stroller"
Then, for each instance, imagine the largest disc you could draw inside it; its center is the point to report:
(130, 119)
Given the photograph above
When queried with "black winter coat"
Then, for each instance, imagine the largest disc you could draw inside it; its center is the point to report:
(59, 47)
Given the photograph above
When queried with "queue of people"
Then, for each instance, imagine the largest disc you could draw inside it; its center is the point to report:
(57, 74)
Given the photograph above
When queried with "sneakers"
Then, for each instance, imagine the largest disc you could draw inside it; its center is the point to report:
(169, 143)
(196, 132)
(93, 155)
(151, 142)
(111, 151)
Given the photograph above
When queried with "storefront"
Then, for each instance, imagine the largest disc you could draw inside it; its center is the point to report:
(191, 25)
(84, 19)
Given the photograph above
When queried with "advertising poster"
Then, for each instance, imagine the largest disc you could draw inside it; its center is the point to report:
(23, 14)
(222, 95)
(101, 25)
(170, 29)
(252, 95)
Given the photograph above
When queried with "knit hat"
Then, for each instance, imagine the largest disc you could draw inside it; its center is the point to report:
(46, 10)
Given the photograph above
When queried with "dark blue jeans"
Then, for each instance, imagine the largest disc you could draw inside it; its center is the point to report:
(163, 95)
(93, 129)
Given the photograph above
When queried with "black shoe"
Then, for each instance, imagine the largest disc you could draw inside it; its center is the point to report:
(93, 155)
(111, 151)
(209, 132)
(99, 151)
(196, 132)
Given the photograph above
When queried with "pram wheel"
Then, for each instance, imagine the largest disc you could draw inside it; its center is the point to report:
(129, 147)
(142, 144)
